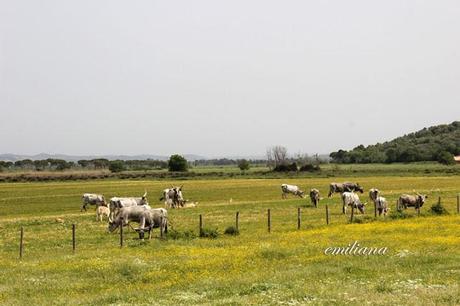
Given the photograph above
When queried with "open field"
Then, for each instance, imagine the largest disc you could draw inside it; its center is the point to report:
(286, 266)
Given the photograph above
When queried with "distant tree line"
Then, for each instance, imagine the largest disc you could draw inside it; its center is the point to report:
(226, 162)
(438, 143)
(51, 164)
(278, 160)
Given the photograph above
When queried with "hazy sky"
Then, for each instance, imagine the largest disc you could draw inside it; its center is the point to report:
(223, 77)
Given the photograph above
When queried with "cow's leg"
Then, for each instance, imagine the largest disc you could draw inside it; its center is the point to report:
(162, 227)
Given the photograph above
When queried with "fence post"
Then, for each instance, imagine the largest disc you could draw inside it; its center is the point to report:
(201, 225)
(236, 220)
(352, 212)
(298, 218)
(327, 214)
(73, 238)
(269, 223)
(121, 233)
(21, 243)
(439, 200)
(458, 203)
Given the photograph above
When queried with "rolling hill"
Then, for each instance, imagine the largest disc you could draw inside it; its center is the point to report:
(436, 143)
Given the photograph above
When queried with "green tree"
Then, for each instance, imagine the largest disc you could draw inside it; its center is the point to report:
(177, 163)
(116, 166)
(243, 164)
(446, 158)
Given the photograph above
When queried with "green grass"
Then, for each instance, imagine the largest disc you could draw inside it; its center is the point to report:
(220, 172)
(285, 266)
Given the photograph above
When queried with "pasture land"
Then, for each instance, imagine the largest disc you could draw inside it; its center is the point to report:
(286, 266)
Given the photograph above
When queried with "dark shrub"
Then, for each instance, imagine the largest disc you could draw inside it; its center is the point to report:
(231, 230)
(286, 168)
(438, 209)
(310, 168)
(209, 233)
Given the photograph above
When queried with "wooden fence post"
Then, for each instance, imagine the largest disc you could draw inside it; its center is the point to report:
(298, 218)
(73, 238)
(201, 225)
(236, 219)
(269, 223)
(439, 200)
(352, 212)
(121, 233)
(327, 215)
(21, 243)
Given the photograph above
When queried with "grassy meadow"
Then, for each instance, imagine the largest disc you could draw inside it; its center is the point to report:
(286, 266)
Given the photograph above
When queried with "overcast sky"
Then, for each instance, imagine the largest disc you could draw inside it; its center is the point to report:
(222, 78)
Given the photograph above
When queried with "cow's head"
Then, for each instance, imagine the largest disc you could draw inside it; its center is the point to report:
(112, 226)
(374, 193)
(421, 199)
(359, 188)
(144, 200)
(361, 207)
(178, 194)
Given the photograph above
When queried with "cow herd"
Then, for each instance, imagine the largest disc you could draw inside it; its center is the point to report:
(349, 196)
(121, 210)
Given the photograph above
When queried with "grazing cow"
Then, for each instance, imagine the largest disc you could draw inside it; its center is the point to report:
(374, 193)
(173, 197)
(406, 200)
(382, 205)
(343, 187)
(117, 203)
(351, 198)
(286, 189)
(148, 218)
(314, 197)
(92, 199)
(102, 211)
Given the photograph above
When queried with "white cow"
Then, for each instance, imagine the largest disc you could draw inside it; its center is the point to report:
(382, 205)
(286, 189)
(116, 203)
(147, 217)
(173, 197)
(351, 198)
(92, 199)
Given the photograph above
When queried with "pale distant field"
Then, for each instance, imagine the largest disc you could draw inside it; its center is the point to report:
(286, 266)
